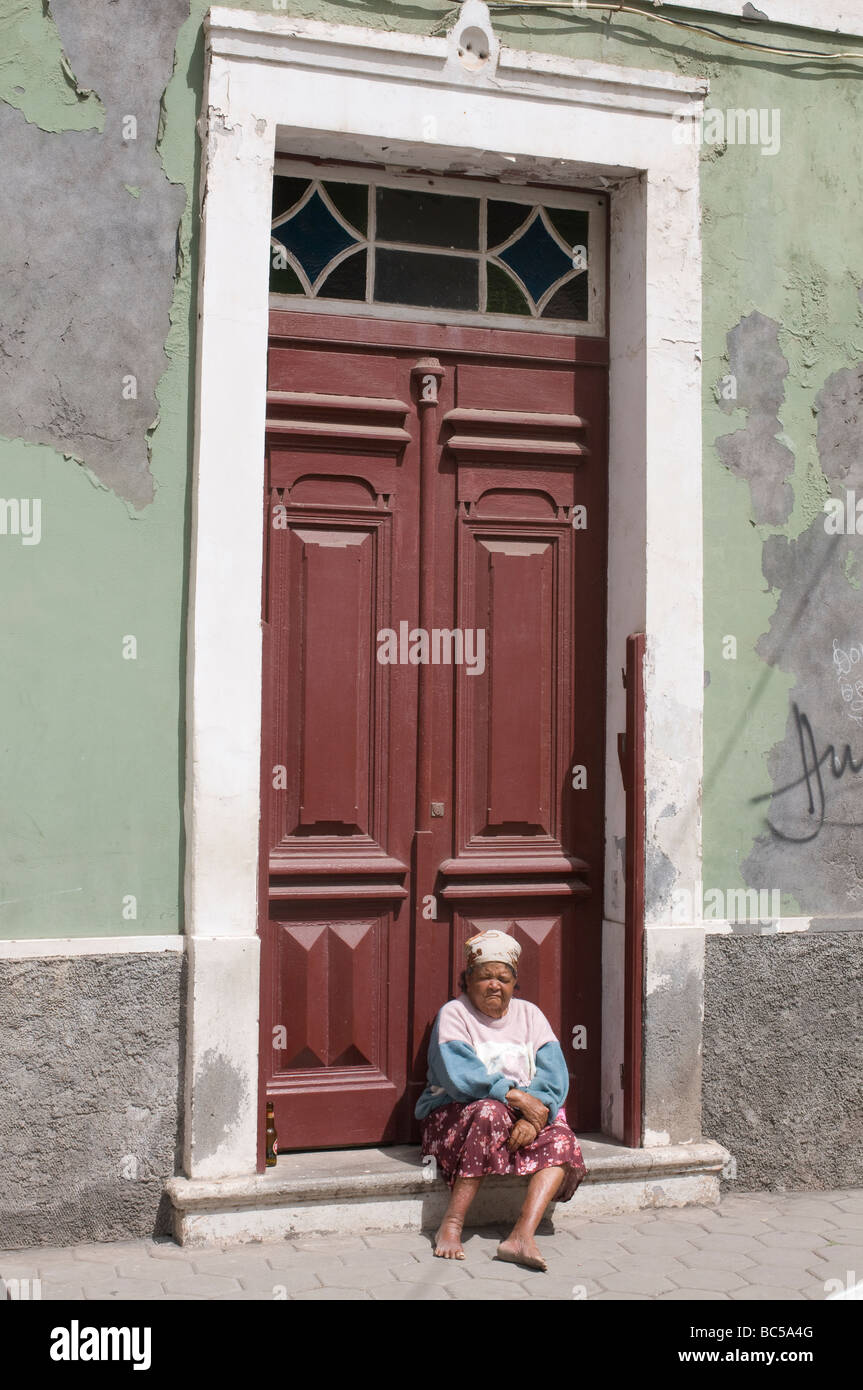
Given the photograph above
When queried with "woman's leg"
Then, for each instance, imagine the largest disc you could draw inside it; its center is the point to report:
(448, 1239)
(520, 1247)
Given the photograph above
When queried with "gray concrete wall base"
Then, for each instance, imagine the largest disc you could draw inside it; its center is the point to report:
(783, 1019)
(90, 1050)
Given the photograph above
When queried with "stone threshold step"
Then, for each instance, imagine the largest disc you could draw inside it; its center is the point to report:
(349, 1191)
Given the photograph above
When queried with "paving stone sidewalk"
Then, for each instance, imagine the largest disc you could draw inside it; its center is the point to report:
(759, 1245)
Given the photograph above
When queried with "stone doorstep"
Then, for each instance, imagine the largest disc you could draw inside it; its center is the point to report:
(349, 1191)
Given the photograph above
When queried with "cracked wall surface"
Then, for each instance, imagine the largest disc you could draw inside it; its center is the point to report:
(87, 266)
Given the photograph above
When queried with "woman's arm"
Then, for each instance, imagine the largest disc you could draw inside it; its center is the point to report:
(550, 1084)
(456, 1067)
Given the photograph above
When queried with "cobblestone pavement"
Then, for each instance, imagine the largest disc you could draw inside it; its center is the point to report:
(770, 1246)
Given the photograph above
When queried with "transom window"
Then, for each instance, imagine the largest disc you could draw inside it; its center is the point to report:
(520, 257)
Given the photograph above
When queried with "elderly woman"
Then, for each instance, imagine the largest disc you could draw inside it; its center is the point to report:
(497, 1081)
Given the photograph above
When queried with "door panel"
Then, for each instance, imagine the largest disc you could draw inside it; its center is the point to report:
(514, 386)
(517, 612)
(334, 971)
(510, 592)
(423, 801)
(342, 1062)
(334, 572)
(341, 512)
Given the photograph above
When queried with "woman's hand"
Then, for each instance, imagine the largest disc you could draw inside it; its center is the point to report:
(522, 1133)
(528, 1106)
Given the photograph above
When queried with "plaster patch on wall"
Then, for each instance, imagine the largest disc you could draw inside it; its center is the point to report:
(36, 76)
(759, 368)
(813, 818)
(839, 407)
(90, 270)
(220, 1097)
(659, 878)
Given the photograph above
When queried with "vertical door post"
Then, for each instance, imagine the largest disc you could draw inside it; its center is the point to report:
(631, 747)
(426, 375)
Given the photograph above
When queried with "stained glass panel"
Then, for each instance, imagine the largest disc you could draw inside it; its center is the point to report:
(440, 282)
(352, 201)
(572, 223)
(313, 236)
(570, 301)
(503, 295)
(286, 192)
(347, 280)
(427, 219)
(537, 259)
(283, 278)
(347, 240)
(504, 219)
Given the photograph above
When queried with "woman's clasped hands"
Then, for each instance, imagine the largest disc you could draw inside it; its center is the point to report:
(533, 1117)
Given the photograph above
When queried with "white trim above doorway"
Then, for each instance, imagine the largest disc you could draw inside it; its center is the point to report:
(321, 91)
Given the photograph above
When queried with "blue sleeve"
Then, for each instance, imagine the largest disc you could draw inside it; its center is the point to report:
(551, 1081)
(456, 1067)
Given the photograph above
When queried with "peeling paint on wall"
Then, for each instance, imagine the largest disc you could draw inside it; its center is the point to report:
(839, 407)
(758, 371)
(659, 879)
(813, 820)
(35, 74)
(90, 270)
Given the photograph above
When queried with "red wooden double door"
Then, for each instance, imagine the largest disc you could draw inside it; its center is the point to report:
(433, 709)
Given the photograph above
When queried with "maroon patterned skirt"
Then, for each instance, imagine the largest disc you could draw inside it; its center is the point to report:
(469, 1141)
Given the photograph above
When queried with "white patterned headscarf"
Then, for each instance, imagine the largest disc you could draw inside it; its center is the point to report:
(492, 946)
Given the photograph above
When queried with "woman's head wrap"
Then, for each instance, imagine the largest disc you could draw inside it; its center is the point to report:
(491, 946)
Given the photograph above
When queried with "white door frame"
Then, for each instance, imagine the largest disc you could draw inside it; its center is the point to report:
(309, 88)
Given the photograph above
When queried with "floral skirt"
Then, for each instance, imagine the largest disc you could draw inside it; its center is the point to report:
(469, 1141)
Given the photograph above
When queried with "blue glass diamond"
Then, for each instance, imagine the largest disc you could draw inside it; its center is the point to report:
(314, 236)
(536, 258)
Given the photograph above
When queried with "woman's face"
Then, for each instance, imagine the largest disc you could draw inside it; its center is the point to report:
(490, 987)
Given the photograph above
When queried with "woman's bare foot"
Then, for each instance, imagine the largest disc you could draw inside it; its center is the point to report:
(448, 1240)
(521, 1250)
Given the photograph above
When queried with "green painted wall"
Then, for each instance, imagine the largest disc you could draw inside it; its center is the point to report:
(93, 744)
